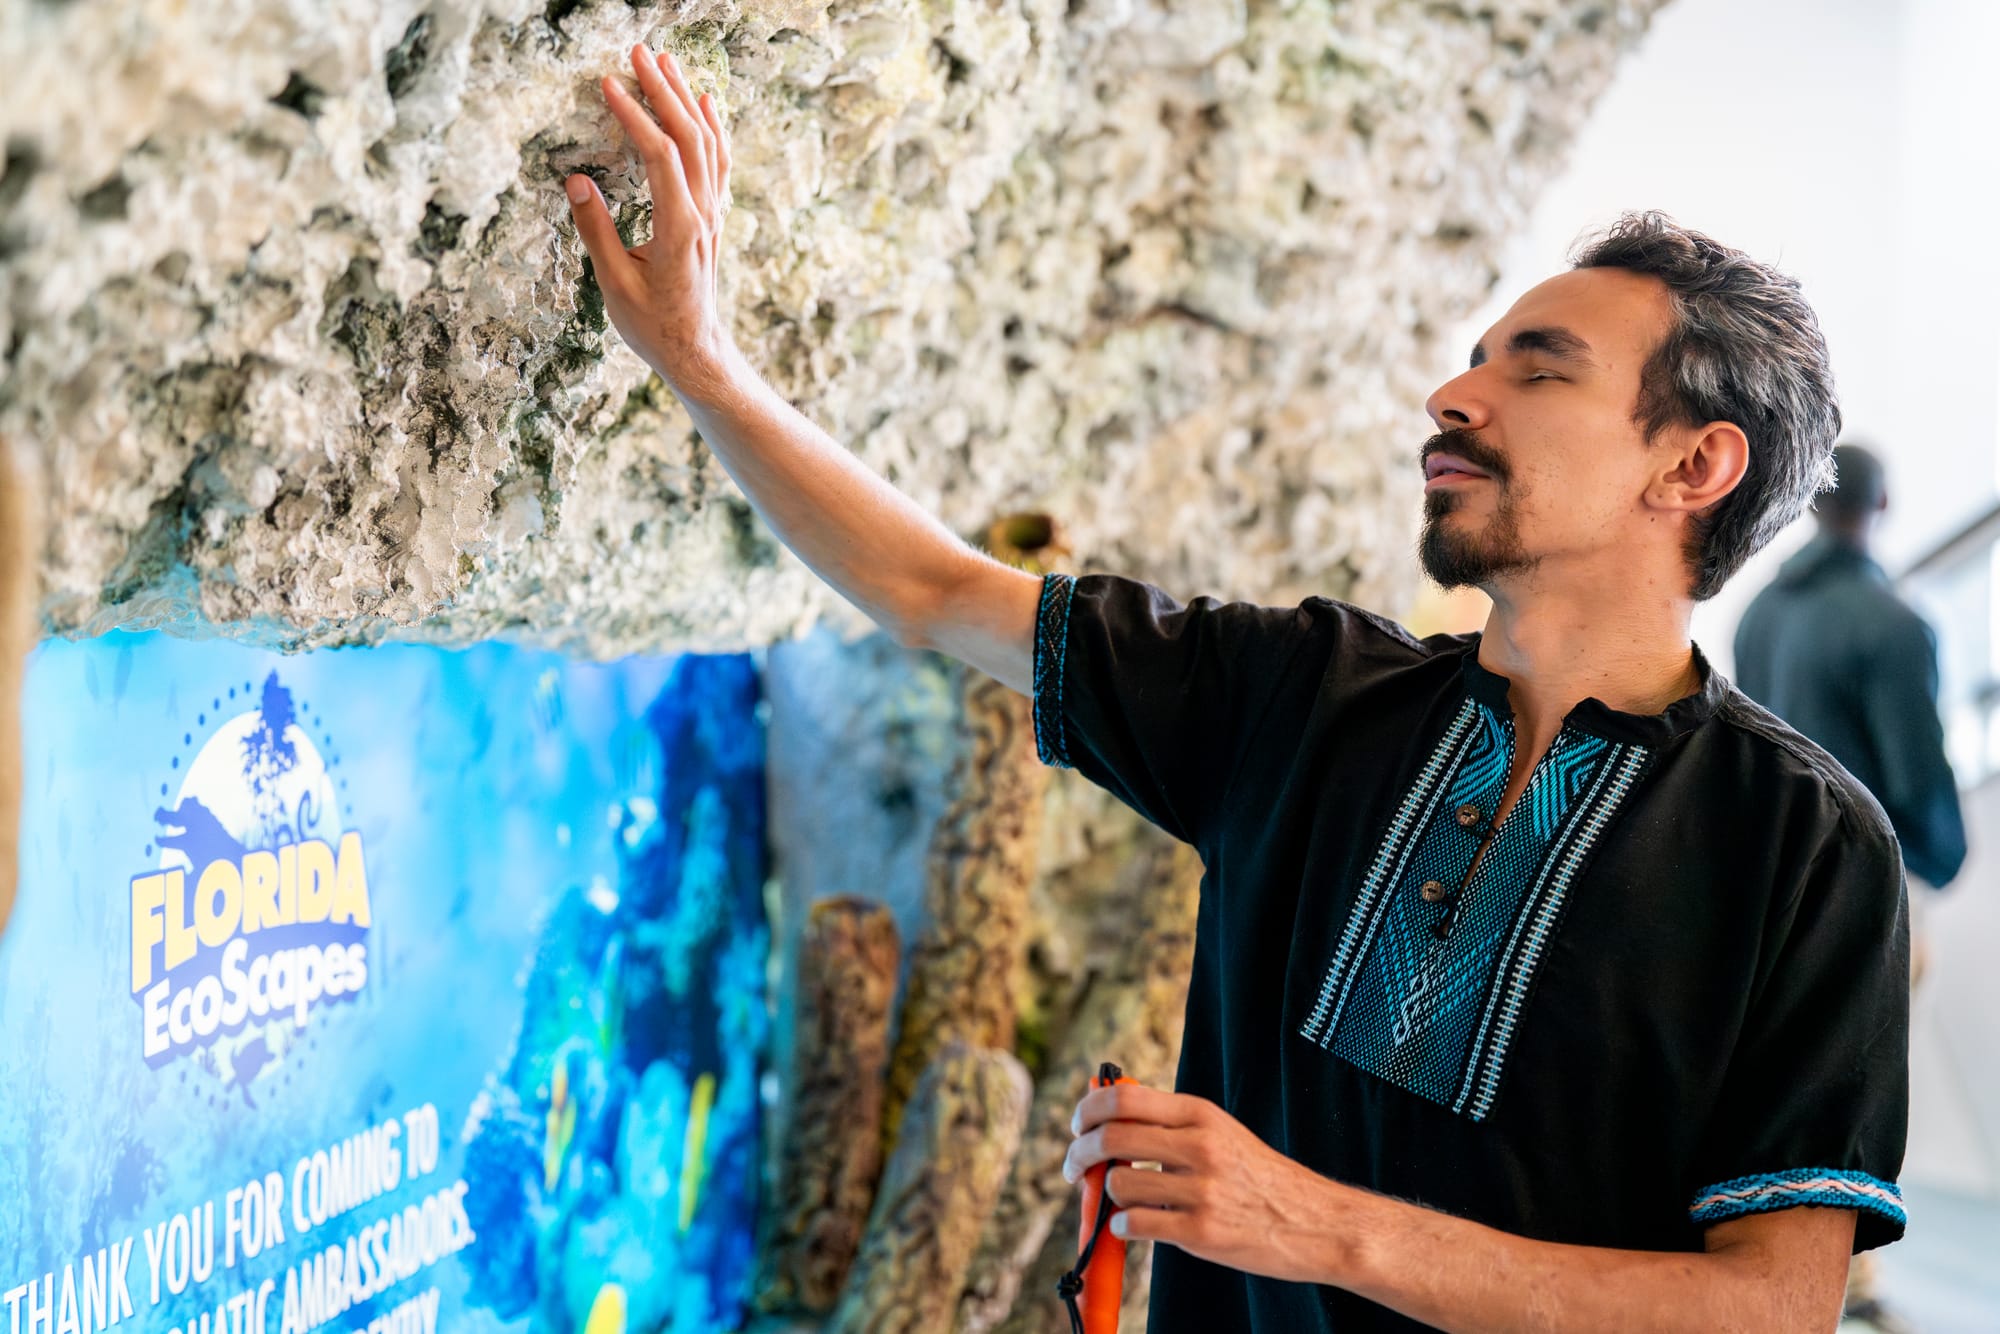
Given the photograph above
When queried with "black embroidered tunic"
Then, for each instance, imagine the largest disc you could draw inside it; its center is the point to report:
(1675, 990)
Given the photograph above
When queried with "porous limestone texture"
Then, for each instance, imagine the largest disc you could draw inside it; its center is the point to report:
(299, 338)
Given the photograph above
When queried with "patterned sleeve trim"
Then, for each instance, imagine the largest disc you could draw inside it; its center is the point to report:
(1782, 1190)
(1051, 652)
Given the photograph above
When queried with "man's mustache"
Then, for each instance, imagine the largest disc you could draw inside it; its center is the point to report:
(1466, 445)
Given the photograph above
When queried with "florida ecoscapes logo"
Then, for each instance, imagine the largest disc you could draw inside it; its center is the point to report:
(258, 911)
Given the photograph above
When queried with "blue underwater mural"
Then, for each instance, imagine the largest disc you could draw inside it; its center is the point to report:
(379, 990)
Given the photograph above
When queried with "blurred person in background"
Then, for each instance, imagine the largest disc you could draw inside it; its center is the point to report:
(1831, 649)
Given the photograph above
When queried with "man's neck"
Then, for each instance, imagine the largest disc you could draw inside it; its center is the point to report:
(1854, 534)
(1630, 651)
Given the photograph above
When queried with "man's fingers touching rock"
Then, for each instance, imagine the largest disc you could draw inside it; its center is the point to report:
(594, 224)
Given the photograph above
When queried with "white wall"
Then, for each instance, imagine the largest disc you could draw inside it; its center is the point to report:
(1955, 1022)
(1853, 143)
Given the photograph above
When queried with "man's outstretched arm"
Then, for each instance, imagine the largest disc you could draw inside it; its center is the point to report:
(873, 544)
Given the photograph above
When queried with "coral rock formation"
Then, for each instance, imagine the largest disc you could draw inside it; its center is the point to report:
(301, 341)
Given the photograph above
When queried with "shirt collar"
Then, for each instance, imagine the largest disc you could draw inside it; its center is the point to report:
(1599, 719)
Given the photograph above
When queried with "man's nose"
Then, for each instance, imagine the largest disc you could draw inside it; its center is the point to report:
(1458, 403)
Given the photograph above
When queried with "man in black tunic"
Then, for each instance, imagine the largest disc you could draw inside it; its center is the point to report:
(1542, 980)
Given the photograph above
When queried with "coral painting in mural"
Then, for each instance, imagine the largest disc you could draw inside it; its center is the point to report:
(634, 1077)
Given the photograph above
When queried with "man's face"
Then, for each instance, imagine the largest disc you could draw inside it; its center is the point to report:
(1539, 464)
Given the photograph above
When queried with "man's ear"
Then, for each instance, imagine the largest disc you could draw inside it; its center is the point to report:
(1708, 463)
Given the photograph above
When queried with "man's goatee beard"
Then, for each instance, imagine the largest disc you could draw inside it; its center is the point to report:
(1454, 560)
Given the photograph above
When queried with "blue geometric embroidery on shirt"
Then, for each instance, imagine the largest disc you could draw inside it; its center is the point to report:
(1387, 868)
(1436, 1015)
(1765, 1191)
(1051, 652)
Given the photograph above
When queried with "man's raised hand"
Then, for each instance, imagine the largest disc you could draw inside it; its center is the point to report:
(661, 295)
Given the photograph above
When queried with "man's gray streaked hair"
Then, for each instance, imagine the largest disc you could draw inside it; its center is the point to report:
(1744, 348)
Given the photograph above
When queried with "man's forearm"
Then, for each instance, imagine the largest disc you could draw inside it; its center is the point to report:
(876, 546)
(1463, 1276)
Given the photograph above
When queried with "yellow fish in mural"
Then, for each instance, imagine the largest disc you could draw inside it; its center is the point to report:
(562, 1127)
(694, 1149)
(607, 1313)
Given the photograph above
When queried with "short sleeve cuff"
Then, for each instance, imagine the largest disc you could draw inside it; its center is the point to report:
(1051, 653)
(1880, 1202)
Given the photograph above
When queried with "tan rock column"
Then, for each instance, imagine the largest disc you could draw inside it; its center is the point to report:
(960, 1132)
(1132, 1015)
(832, 1149)
(964, 969)
(19, 529)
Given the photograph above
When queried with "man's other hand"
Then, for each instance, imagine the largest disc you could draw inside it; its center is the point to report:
(1221, 1193)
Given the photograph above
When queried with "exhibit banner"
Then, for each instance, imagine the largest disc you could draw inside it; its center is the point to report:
(388, 989)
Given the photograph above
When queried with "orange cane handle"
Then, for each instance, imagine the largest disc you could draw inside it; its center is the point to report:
(1104, 1275)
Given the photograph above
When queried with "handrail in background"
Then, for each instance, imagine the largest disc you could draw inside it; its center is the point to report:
(1982, 532)
(1959, 578)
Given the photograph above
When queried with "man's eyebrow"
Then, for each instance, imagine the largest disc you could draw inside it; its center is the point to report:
(1550, 341)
